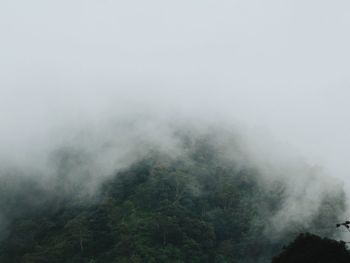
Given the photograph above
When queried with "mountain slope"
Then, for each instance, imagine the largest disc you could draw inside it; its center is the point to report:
(189, 208)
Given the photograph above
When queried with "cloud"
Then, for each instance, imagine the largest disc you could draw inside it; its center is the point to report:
(71, 70)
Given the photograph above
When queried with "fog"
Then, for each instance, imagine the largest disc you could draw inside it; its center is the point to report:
(276, 69)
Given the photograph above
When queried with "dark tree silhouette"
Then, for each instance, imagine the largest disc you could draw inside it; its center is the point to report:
(309, 248)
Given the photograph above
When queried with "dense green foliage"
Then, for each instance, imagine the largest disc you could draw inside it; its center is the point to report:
(308, 248)
(193, 208)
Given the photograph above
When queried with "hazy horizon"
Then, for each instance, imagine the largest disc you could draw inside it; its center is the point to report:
(276, 67)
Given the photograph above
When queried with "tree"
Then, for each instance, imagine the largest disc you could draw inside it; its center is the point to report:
(308, 248)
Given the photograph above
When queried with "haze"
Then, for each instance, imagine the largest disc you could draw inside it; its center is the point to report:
(277, 67)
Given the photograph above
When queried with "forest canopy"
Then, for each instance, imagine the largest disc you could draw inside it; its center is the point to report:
(194, 207)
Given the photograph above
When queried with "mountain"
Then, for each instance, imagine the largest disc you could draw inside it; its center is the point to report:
(191, 207)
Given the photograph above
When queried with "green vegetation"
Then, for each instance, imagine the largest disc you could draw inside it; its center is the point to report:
(193, 208)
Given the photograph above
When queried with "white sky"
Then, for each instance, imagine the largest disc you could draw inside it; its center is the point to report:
(278, 65)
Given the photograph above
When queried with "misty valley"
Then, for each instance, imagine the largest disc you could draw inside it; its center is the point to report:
(198, 205)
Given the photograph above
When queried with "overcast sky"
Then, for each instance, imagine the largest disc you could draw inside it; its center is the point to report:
(280, 66)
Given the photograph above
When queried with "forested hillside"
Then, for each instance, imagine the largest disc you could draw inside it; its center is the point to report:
(193, 207)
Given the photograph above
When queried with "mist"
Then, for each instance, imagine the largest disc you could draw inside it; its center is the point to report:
(115, 79)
